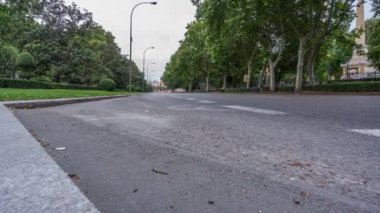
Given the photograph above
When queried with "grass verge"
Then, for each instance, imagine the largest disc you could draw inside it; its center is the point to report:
(7, 94)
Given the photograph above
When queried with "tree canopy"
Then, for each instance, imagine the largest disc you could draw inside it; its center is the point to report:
(268, 42)
(66, 43)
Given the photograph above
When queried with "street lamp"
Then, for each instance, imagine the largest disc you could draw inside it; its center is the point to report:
(147, 72)
(149, 48)
(147, 67)
(131, 39)
(149, 80)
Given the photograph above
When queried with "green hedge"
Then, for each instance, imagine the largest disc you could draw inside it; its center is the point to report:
(355, 80)
(345, 87)
(239, 90)
(25, 84)
(366, 86)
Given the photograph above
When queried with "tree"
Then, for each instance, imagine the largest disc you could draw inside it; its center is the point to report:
(255, 37)
(374, 42)
(312, 21)
(234, 25)
(273, 35)
(376, 7)
(8, 55)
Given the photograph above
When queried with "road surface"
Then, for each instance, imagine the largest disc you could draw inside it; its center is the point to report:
(218, 152)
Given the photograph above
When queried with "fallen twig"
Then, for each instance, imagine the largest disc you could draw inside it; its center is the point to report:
(159, 172)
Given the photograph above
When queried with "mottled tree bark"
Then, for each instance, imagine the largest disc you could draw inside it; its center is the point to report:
(300, 64)
(249, 65)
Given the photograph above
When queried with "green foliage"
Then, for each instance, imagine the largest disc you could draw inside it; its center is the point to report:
(346, 87)
(374, 41)
(135, 88)
(366, 86)
(8, 55)
(25, 59)
(67, 45)
(376, 7)
(107, 84)
(8, 94)
(27, 84)
(336, 51)
(26, 64)
(45, 79)
(267, 39)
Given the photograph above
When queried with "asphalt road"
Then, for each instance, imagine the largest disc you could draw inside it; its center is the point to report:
(218, 152)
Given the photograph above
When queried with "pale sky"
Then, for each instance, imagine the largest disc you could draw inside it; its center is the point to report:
(162, 25)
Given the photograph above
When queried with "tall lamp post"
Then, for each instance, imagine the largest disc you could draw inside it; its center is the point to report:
(147, 72)
(149, 48)
(131, 39)
(150, 75)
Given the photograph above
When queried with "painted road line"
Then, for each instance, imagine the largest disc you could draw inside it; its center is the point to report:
(191, 99)
(256, 110)
(370, 132)
(207, 102)
(198, 108)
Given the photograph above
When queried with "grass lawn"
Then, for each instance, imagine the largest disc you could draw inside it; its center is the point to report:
(39, 94)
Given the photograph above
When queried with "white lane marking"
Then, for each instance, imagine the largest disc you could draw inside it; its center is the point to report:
(191, 99)
(370, 132)
(207, 102)
(175, 96)
(86, 117)
(257, 110)
(199, 108)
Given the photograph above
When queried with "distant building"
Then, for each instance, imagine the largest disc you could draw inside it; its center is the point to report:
(359, 67)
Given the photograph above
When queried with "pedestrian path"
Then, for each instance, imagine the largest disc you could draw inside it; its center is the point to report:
(30, 180)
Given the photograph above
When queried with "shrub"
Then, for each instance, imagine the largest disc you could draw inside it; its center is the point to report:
(137, 89)
(371, 86)
(27, 84)
(134, 88)
(43, 79)
(239, 90)
(26, 63)
(107, 84)
(25, 59)
(364, 86)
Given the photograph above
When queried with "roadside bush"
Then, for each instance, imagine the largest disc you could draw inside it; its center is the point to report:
(373, 86)
(27, 84)
(25, 59)
(239, 90)
(26, 63)
(107, 84)
(364, 86)
(134, 88)
(42, 79)
(138, 89)
(355, 80)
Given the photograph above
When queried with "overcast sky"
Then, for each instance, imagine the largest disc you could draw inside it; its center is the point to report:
(162, 26)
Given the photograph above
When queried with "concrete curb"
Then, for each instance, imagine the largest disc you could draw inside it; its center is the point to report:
(55, 102)
(30, 180)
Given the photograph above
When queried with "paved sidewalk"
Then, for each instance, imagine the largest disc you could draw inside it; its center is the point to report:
(30, 180)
